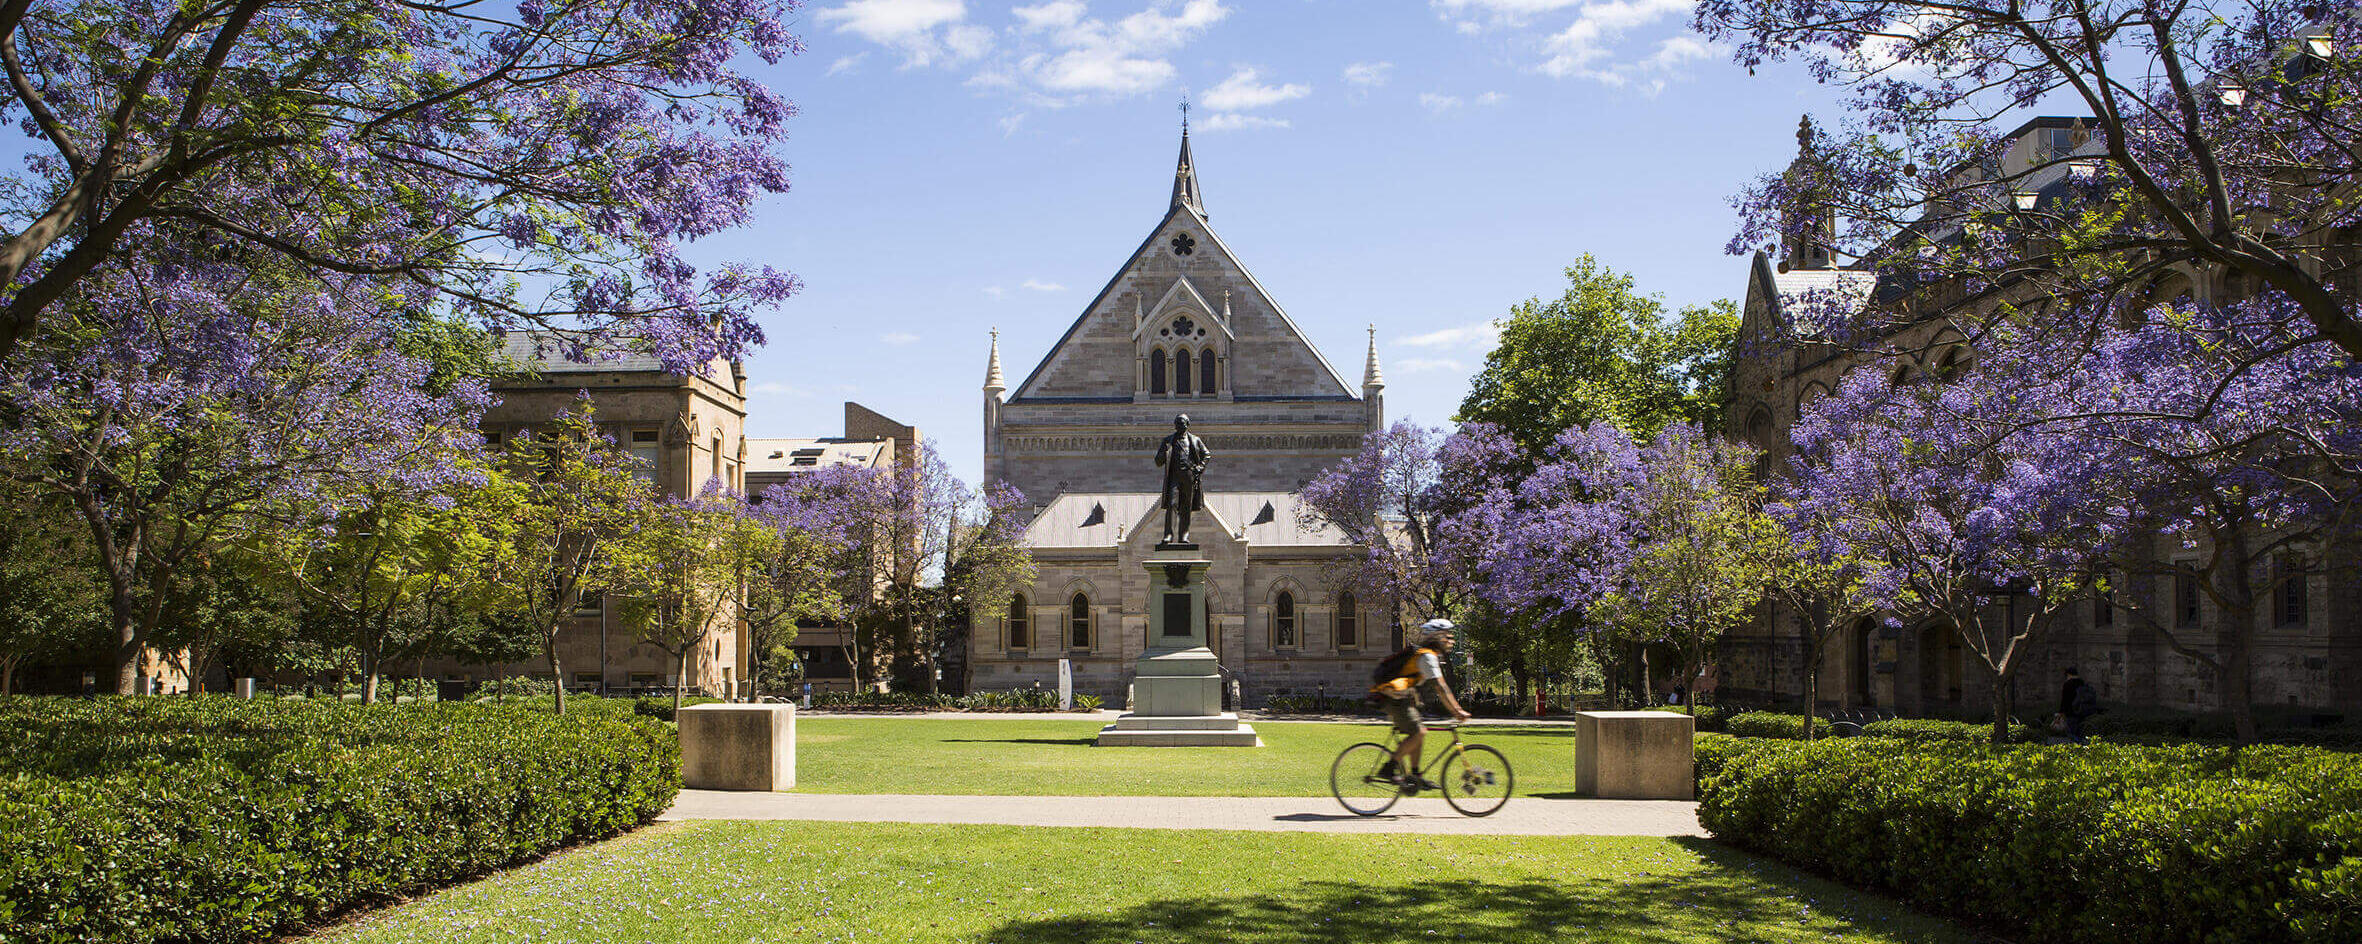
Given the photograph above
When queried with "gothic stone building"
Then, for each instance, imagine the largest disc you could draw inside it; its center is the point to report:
(1182, 328)
(2309, 651)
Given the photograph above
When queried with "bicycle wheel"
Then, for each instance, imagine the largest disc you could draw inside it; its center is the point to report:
(1354, 779)
(1476, 780)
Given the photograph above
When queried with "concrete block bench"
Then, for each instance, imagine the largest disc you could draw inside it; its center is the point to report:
(1636, 755)
(738, 747)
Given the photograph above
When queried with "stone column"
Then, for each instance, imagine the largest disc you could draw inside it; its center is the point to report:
(1177, 681)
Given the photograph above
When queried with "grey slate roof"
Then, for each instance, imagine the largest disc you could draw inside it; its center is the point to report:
(556, 352)
(1091, 519)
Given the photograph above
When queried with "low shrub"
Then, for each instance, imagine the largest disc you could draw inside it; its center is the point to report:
(2101, 842)
(522, 686)
(1929, 729)
(661, 709)
(213, 819)
(1710, 718)
(1766, 724)
(1014, 699)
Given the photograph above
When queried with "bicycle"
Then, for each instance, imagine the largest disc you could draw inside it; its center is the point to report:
(1476, 779)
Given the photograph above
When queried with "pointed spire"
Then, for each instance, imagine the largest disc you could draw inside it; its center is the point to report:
(992, 372)
(1185, 191)
(1371, 376)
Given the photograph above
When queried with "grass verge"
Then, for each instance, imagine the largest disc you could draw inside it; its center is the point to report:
(1057, 758)
(809, 882)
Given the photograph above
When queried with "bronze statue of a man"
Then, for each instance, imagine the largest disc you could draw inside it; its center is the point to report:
(1183, 457)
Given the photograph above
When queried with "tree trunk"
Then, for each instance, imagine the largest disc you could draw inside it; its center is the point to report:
(680, 674)
(2004, 703)
(8, 674)
(369, 659)
(557, 671)
(128, 644)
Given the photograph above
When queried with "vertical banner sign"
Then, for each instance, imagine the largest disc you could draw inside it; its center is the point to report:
(1065, 685)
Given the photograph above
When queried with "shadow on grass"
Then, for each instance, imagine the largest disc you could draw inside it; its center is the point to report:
(1060, 742)
(1737, 898)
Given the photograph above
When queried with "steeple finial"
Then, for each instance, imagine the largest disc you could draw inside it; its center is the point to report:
(1185, 171)
(1371, 376)
(992, 372)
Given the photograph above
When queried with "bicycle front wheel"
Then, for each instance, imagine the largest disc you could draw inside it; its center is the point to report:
(1355, 779)
(1476, 780)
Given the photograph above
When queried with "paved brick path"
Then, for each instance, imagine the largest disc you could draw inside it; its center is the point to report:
(1523, 816)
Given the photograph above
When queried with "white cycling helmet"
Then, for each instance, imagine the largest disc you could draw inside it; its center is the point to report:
(1436, 627)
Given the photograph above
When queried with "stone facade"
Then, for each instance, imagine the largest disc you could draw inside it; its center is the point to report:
(1078, 437)
(687, 429)
(2307, 656)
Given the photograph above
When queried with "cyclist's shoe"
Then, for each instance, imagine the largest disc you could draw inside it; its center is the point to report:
(1389, 771)
(1424, 783)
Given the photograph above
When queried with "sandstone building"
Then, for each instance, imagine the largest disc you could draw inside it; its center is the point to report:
(1181, 328)
(2309, 651)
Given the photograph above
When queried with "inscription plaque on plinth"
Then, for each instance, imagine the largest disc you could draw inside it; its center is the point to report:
(1177, 682)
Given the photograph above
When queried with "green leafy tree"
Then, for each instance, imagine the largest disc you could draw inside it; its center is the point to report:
(225, 607)
(681, 571)
(1707, 552)
(52, 603)
(1602, 352)
(382, 554)
(570, 493)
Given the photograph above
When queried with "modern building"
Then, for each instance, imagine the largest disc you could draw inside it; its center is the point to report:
(2309, 651)
(1181, 328)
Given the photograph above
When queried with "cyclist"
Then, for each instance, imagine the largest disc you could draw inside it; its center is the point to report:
(1401, 679)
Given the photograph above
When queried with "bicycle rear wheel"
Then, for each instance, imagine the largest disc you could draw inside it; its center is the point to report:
(1476, 780)
(1354, 779)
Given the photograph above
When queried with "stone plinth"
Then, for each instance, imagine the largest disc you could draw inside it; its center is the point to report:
(1177, 683)
(1635, 755)
(738, 747)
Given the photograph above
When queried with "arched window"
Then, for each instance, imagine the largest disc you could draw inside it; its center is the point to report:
(1181, 373)
(1205, 374)
(1020, 627)
(1283, 621)
(1763, 435)
(1078, 622)
(1955, 362)
(1348, 621)
(1156, 372)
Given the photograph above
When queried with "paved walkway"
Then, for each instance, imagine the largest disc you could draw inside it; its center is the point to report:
(1523, 816)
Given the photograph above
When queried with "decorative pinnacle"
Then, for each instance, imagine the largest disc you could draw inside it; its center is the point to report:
(1804, 133)
(992, 371)
(1371, 376)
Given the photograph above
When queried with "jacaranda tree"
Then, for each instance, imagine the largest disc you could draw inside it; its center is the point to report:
(539, 161)
(2217, 138)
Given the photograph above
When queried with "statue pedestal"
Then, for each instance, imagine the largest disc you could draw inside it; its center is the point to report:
(1177, 684)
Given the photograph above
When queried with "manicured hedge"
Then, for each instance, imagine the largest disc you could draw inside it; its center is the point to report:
(2109, 843)
(1930, 729)
(210, 819)
(1709, 718)
(1768, 724)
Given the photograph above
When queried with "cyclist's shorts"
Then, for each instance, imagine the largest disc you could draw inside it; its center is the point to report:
(1404, 712)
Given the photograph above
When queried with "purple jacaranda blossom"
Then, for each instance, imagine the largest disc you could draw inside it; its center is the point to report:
(180, 398)
(2216, 140)
(533, 165)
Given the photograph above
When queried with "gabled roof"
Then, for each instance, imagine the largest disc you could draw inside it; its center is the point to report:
(1091, 519)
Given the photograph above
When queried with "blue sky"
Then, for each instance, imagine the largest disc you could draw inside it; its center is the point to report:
(1420, 166)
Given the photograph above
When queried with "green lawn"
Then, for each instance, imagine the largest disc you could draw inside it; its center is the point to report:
(1056, 758)
(740, 882)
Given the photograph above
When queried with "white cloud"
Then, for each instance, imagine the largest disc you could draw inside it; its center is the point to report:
(1241, 92)
(898, 337)
(1010, 124)
(1482, 334)
(1065, 55)
(1057, 14)
(1473, 15)
(1438, 102)
(847, 63)
(1037, 285)
(1232, 121)
(1490, 99)
(995, 291)
(1578, 50)
(1420, 365)
(1367, 75)
(926, 32)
